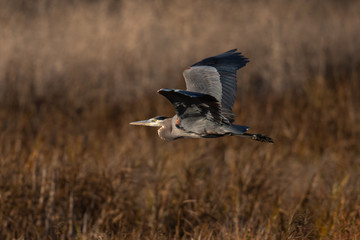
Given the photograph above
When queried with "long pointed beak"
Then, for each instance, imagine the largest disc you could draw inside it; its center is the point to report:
(149, 123)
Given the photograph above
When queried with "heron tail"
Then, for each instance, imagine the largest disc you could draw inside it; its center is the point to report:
(240, 131)
(237, 129)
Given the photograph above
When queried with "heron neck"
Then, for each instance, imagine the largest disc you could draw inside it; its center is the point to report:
(165, 131)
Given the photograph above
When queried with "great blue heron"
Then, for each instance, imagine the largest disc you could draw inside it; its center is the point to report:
(204, 110)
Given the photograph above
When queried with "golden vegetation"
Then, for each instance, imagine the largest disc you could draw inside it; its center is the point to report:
(73, 74)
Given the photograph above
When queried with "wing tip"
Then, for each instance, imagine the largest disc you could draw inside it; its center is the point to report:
(239, 54)
(231, 57)
(232, 50)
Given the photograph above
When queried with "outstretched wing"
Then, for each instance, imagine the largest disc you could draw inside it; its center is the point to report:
(194, 105)
(216, 76)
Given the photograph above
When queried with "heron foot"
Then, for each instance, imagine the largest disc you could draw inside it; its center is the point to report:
(262, 138)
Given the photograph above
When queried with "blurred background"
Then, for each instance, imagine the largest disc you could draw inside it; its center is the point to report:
(74, 73)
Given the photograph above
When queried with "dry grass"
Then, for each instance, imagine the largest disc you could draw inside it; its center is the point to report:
(73, 74)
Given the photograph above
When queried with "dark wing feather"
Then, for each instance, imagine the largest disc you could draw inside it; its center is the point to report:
(193, 104)
(226, 64)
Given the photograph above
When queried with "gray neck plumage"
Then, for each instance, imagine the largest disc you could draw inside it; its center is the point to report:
(165, 132)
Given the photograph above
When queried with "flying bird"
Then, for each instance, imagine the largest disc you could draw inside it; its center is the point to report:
(204, 109)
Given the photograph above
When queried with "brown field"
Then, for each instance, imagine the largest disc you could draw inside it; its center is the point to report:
(73, 74)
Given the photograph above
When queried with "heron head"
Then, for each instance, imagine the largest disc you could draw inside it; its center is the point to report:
(152, 122)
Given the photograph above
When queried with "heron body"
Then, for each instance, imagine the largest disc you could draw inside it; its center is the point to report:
(204, 109)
